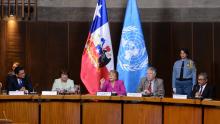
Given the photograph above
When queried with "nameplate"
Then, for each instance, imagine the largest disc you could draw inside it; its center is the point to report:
(49, 93)
(178, 96)
(16, 93)
(134, 94)
(103, 93)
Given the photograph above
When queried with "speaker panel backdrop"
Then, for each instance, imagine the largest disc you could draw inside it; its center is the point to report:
(46, 47)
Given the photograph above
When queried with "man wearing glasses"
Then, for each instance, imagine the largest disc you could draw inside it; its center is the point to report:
(203, 89)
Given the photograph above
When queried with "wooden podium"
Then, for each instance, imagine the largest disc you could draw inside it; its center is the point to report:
(182, 111)
(144, 110)
(211, 112)
(101, 109)
(20, 109)
(89, 109)
(60, 109)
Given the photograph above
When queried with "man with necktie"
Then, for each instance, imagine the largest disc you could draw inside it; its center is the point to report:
(19, 81)
(184, 74)
(203, 89)
(151, 85)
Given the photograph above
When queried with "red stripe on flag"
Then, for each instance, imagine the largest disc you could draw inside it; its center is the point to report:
(90, 71)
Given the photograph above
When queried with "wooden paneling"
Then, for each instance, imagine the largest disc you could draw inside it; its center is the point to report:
(2, 49)
(20, 112)
(174, 114)
(15, 42)
(60, 112)
(142, 114)
(57, 50)
(211, 115)
(161, 52)
(46, 47)
(36, 55)
(115, 31)
(78, 33)
(181, 34)
(216, 68)
(105, 113)
(202, 48)
(147, 32)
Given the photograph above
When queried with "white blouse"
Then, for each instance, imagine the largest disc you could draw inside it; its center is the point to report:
(58, 85)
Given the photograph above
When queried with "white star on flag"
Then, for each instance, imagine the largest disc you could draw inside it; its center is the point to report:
(97, 11)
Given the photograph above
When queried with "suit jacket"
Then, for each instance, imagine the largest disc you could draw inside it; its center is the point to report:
(208, 92)
(12, 83)
(158, 89)
(119, 87)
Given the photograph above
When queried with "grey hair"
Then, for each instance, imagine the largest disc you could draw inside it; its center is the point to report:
(203, 74)
(153, 69)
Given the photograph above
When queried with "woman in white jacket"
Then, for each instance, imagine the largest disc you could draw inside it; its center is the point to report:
(63, 84)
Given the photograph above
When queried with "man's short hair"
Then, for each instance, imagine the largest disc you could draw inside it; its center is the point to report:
(18, 69)
(203, 74)
(153, 69)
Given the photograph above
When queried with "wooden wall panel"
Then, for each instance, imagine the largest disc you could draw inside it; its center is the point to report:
(1, 51)
(15, 42)
(36, 54)
(181, 34)
(147, 32)
(216, 66)
(161, 52)
(115, 31)
(56, 51)
(203, 48)
(78, 33)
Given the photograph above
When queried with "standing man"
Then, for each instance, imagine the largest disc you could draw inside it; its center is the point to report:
(151, 85)
(184, 74)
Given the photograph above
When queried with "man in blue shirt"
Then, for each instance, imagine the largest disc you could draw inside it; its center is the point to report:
(184, 74)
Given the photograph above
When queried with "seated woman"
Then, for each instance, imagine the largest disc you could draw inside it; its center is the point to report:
(63, 84)
(113, 84)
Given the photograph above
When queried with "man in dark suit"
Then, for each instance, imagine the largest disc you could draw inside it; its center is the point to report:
(19, 81)
(202, 89)
(151, 85)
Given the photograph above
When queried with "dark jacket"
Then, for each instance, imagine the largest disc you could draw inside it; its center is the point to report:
(12, 83)
(208, 92)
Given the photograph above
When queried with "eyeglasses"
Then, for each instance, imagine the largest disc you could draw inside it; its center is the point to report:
(201, 79)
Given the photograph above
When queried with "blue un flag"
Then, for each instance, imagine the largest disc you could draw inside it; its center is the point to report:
(132, 61)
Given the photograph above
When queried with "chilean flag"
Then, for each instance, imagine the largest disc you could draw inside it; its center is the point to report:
(97, 58)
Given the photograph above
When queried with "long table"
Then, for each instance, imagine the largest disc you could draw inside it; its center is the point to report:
(88, 109)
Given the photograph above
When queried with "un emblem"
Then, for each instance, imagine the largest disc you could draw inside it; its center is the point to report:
(132, 52)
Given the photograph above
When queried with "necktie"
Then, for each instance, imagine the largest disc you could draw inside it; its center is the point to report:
(149, 88)
(20, 82)
(181, 70)
(200, 91)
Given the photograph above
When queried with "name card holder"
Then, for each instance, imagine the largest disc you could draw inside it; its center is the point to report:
(16, 93)
(178, 96)
(49, 93)
(134, 94)
(103, 93)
